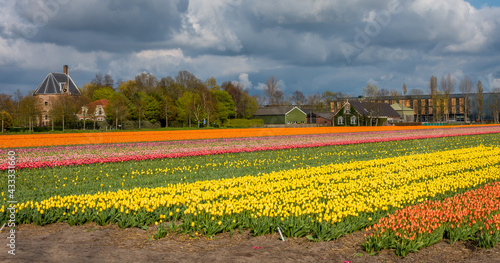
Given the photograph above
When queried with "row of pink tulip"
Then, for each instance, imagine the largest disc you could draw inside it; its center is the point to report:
(104, 153)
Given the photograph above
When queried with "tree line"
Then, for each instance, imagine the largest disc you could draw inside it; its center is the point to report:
(183, 100)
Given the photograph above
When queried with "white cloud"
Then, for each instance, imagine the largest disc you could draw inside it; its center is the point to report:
(46, 56)
(203, 26)
(282, 85)
(372, 81)
(260, 86)
(243, 79)
(387, 77)
(496, 83)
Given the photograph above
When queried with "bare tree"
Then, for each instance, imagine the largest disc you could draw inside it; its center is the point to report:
(18, 96)
(372, 93)
(384, 93)
(434, 96)
(466, 87)
(447, 86)
(315, 103)
(187, 80)
(417, 94)
(480, 100)
(298, 98)
(139, 105)
(102, 81)
(330, 98)
(404, 95)
(273, 91)
(260, 100)
(146, 82)
(494, 104)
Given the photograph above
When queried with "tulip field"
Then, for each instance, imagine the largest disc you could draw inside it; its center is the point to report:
(405, 188)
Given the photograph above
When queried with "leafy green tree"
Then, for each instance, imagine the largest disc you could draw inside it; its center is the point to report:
(151, 109)
(244, 104)
(211, 84)
(6, 120)
(169, 111)
(169, 87)
(30, 109)
(225, 104)
(6, 107)
(249, 107)
(64, 109)
(117, 109)
(187, 105)
(103, 93)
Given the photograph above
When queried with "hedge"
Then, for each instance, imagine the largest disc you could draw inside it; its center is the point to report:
(244, 123)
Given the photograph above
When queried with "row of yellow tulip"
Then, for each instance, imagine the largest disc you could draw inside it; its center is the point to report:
(328, 193)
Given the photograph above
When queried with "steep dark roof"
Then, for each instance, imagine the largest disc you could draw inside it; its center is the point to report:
(281, 110)
(376, 108)
(325, 115)
(52, 85)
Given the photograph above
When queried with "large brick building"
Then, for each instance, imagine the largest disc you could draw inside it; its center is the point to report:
(425, 111)
(53, 86)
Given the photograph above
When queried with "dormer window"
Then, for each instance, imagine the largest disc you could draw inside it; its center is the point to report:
(63, 86)
(347, 108)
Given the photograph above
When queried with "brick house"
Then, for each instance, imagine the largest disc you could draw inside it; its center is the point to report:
(53, 86)
(95, 111)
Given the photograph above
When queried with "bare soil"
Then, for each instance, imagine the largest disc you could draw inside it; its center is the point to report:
(93, 243)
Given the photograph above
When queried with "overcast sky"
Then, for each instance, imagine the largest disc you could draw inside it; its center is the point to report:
(309, 45)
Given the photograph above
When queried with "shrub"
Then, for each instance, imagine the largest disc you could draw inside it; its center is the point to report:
(244, 123)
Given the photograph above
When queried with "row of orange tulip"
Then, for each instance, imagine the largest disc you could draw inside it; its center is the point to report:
(35, 140)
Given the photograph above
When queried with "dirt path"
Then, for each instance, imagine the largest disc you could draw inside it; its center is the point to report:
(93, 243)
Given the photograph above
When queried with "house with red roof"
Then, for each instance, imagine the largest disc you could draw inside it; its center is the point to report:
(93, 111)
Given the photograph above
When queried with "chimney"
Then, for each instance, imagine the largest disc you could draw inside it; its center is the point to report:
(66, 69)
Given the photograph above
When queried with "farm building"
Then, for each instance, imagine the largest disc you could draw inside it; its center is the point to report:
(360, 113)
(324, 118)
(281, 115)
(406, 114)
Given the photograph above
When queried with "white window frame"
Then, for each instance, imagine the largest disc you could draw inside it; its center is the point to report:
(340, 120)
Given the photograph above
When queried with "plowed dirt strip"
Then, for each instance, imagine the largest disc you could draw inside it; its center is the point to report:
(35, 140)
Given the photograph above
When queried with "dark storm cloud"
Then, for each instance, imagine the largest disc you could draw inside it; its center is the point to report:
(102, 25)
(310, 45)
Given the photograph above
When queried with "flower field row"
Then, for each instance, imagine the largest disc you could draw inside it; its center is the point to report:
(16, 141)
(42, 183)
(322, 202)
(474, 215)
(106, 153)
